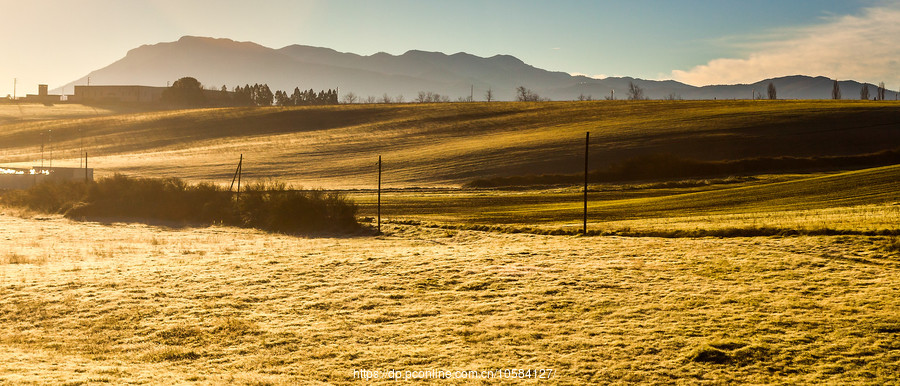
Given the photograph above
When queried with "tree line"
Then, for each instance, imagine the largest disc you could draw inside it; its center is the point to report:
(189, 92)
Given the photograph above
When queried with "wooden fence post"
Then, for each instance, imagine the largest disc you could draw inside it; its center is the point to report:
(587, 143)
(379, 194)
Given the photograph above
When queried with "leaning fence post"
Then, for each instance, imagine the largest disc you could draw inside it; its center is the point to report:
(237, 177)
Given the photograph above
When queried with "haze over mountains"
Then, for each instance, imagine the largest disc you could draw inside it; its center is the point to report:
(218, 62)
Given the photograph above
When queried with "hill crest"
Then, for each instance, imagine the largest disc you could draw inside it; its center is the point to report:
(220, 61)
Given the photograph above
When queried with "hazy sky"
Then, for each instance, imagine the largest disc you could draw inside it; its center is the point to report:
(694, 41)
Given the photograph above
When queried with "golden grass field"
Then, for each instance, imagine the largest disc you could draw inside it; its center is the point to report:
(90, 303)
(446, 144)
(134, 303)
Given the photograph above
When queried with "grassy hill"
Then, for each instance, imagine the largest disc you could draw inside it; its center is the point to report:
(863, 200)
(447, 144)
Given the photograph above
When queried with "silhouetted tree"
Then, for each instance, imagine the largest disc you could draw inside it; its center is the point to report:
(773, 94)
(881, 91)
(350, 98)
(635, 92)
(186, 91)
(282, 99)
(242, 96)
(489, 95)
(864, 92)
(431, 97)
(526, 95)
(264, 96)
(836, 90)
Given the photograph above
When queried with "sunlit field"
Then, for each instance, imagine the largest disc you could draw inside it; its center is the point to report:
(784, 277)
(865, 201)
(447, 144)
(23, 112)
(144, 304)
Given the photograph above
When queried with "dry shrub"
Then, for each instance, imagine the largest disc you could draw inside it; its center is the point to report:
(269, 206)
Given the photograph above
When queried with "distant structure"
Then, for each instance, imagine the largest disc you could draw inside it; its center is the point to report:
(18, 178)
(116, 94)
(42, 96)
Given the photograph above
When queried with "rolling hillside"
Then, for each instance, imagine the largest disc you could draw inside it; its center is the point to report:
(861, 200)
(447, 144)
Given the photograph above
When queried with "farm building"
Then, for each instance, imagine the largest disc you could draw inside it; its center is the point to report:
(18, 178)
(116, 94)
(134, 94)
(42, 96)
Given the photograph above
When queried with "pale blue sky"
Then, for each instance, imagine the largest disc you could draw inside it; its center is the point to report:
(56, 42)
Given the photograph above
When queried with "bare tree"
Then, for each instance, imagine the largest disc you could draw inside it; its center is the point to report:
(836, 90)
(430, 97)
(399, 99)
(385, 99)
(635, 92)
(864, 92)
(489, 95)
(673, 97)
(371, 99)
(583, 97)
(881, 91)
(526, 95)
(350, 98)
(773, 94)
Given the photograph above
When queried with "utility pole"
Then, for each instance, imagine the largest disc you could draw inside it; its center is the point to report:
(379, 195)
(15, 82)
(587, 144)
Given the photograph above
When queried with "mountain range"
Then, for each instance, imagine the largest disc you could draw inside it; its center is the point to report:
(218, 62)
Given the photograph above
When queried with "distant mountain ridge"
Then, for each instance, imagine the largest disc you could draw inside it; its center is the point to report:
(218, 62)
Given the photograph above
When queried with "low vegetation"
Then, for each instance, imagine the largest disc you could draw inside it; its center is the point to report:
(264, 205)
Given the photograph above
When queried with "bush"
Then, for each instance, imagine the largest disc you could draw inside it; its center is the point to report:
(267, 205)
